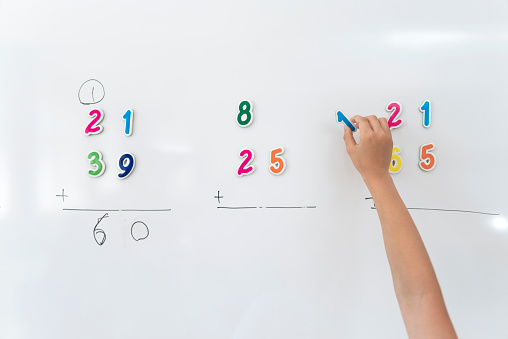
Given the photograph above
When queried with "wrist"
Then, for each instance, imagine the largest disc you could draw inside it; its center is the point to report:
(373, 182)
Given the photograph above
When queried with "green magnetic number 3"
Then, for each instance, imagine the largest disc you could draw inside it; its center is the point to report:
(95, 158)
(245, 108)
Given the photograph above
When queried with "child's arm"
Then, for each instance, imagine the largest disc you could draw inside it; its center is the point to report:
(416, 287)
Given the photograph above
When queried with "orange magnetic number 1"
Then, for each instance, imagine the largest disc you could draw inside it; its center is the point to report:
(278, 165)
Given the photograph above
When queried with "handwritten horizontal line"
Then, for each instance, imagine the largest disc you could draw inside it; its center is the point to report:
(293, 207)
(439, 209)
(269, 207)
(236, 208)
(137, 210)
(444, 210)
(115, 210)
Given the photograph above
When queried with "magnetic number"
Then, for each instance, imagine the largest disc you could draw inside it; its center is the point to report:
(245, 169)
(126, 165)
(425, 109)
(94, 127)
(342, 118)
(396, 162)
(244, 117)
(95, 158)
(395, 109)
(428, 160)
(277, 163)
(128, 117)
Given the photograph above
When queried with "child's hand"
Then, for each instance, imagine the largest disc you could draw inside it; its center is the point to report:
(372, 155)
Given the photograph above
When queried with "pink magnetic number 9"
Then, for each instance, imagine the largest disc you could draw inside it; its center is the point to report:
(245, 169)
(94, 127)
(395, 109)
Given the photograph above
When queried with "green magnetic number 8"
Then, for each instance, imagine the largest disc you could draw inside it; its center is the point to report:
(245, 108)
(95, 158)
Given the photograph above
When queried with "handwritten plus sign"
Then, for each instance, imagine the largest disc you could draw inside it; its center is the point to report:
(62, 195)
(218, 196)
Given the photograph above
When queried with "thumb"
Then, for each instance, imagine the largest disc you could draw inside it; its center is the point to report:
(348, 138)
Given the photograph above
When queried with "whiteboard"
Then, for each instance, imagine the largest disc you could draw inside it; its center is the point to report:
(189, 269)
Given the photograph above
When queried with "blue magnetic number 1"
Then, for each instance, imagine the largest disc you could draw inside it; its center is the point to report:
(128, 116)
(342, 118)
(425, 109)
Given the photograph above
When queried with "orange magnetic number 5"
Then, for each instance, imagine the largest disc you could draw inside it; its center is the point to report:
(428, 160)
(278, 165)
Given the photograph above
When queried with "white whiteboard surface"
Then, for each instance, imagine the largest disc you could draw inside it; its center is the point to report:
(205, 272)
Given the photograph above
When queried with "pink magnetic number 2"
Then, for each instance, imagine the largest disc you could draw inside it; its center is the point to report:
(395, 110)
(245, 169)
(94, 127)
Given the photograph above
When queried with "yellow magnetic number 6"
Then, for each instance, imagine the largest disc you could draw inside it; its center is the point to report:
(396, 162)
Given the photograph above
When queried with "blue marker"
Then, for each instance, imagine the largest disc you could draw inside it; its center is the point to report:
(342, 118)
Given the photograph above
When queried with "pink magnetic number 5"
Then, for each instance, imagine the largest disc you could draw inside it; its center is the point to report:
(245, 169)
(94, 127)
(395, 109)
